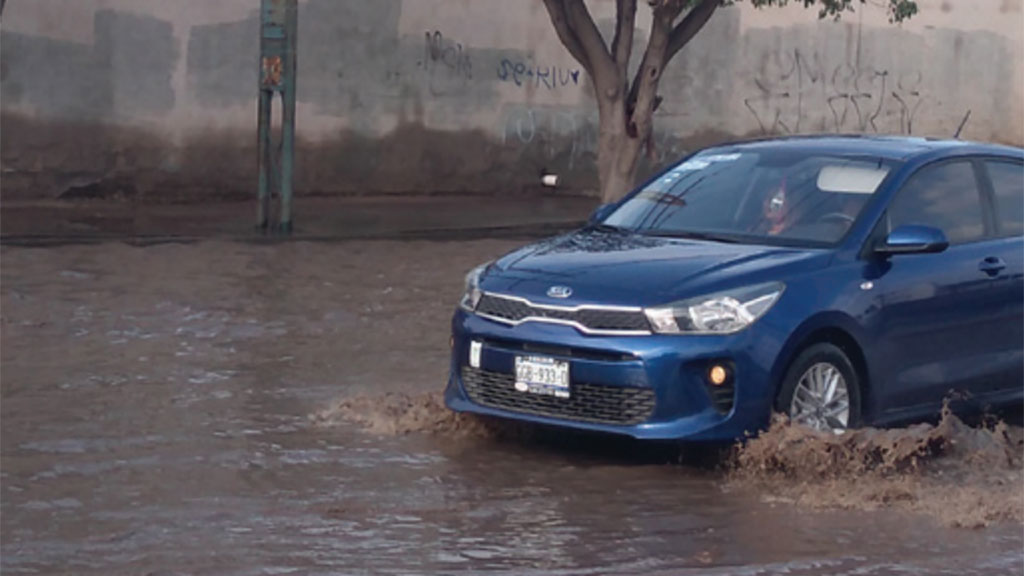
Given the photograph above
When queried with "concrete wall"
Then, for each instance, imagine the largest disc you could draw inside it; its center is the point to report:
(158, 98)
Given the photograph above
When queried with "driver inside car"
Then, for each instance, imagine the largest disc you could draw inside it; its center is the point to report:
(780, 209)
(776, 210)
(787, 206)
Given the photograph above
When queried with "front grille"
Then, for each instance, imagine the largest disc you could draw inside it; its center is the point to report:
(589, 319)
(587, 402)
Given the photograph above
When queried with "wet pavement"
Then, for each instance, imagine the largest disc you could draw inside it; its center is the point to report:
(157, 417)
(41, 222)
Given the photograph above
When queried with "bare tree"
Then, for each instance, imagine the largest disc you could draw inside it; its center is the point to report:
(626, 108)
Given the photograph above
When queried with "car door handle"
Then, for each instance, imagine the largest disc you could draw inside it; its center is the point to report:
(992, 265)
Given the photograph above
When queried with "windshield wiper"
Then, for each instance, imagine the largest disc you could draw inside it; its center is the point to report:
(691, 235)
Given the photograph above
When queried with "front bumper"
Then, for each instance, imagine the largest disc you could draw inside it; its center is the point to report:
(672, 367)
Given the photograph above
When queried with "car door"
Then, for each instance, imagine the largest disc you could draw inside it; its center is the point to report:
(935, 317)
(1004, 179)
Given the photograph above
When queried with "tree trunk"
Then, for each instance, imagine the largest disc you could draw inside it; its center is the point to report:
(627, 119)
(626, 112)
(618, 156)
(619, 148)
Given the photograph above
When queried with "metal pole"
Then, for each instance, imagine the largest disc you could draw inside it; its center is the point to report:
(278, 42)
(263, 209)
(288, 123)
(287, 161)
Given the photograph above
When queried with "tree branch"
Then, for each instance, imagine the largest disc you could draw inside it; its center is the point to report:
(566, 33)
(582, 23)
(622, 43)
(665, 41)
(642, 99)
(685, 31)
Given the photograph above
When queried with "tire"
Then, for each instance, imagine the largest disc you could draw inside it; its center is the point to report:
(816, 357)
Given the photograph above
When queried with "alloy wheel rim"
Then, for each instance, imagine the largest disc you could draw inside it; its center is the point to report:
(821, 399)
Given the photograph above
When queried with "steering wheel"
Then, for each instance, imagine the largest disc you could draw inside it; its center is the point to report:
(838, 217)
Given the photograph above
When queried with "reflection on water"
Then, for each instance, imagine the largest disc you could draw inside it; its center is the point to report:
(156, 418)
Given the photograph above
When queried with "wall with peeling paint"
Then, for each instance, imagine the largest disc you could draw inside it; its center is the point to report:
(157, 99)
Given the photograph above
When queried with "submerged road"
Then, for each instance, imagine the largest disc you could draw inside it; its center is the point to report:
(156, 412)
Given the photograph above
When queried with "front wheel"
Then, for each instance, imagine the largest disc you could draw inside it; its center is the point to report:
(821, 390)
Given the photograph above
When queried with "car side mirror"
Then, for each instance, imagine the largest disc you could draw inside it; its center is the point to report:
(913, 240)
(600, 213)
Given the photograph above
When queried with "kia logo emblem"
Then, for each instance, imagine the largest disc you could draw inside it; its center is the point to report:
(559, 292)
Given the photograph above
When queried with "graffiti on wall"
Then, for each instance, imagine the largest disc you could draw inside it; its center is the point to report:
(568, 136)
(445, 62)
(446, 54)
(526, 74)
(551, 132)
(800, 91)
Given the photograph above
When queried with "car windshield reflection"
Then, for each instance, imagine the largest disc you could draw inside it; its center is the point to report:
(771, 197)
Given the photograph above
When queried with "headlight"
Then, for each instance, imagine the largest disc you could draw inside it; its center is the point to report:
(720, 313)
(471, 294)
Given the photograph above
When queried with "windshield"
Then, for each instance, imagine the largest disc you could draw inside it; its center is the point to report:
(771, 196)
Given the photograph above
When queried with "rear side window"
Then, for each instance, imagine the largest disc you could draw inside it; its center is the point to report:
(1008, 184)
(943, 196)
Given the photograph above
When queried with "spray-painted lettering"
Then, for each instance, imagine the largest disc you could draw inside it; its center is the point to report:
(527, 74)
(800, 91)
(447, 64)
(567, 136)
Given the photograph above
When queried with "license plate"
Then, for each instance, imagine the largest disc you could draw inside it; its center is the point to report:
(545, 376)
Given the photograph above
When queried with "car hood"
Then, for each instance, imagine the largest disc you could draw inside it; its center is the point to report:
(636, 270)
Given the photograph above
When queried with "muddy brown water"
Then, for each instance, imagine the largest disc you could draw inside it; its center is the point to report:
(174, 409)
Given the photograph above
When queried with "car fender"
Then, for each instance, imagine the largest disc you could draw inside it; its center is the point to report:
(803, 336)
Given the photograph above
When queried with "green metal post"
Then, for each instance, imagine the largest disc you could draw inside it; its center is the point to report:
(278, 42)
(288, 123)
(263, 210)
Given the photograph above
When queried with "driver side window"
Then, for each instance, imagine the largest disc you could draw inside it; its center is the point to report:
(944, 196)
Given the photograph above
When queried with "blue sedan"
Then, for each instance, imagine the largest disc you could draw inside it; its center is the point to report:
(839, 280)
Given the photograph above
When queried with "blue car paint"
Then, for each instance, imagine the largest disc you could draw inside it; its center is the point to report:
(865, 304)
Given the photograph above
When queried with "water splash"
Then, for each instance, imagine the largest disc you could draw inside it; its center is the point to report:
(962, 475)
(398, 414)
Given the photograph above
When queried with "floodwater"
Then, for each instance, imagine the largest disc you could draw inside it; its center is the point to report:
(173, 409)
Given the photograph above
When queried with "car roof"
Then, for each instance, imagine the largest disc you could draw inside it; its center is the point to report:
(890, 147)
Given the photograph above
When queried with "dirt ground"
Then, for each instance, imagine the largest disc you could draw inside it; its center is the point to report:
(235, 408)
